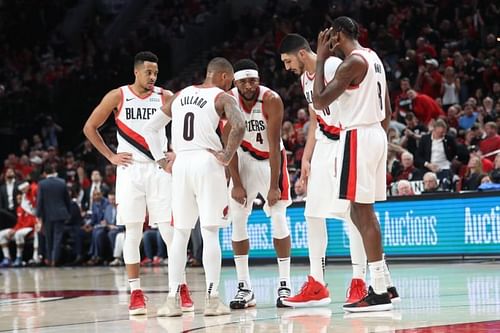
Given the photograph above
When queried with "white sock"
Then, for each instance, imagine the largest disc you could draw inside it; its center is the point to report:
(19, 252)
(377, 276)
(135, 284)
(6, 253)
(358, 254)
(317, 239)
(212, 259)
(242, 270)
(387, 274)
(284, 270)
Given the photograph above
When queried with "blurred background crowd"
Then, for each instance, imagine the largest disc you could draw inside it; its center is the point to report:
(441, 60)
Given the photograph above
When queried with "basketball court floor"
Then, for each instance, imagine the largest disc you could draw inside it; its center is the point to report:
(436, 297)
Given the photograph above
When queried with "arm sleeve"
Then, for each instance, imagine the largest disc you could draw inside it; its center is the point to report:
(153, 131)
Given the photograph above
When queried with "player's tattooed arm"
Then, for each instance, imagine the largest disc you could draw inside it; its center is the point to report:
(226, 105)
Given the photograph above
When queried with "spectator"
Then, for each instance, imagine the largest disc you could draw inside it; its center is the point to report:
(431, 184)
(300, 191)
(424, 107)
(151, 240)
(412, 134)
(99, 241)
(492, 183)
(8, 204)
(402, 102)
(452, 116)
(288, 135)
(49, 132)
(429, 80)
(472, 178)
(196, 258)
(302, 121)
(407, 171)
(96, 186)
(469, 117)
(404, 188)
(436, 151)
(450, 89)
(53, 207)
(490, 114)
(73, 225)
(113, 229)
(491, 143)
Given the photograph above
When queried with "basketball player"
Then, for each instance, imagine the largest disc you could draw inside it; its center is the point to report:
(198, 175)
(260, 168)
(318, 176)
(365, 111)
(139, 182)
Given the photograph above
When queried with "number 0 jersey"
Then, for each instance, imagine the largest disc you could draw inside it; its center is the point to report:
(364, 104)
(130, 118)
(328, 123)
(195, 122)
(255, 142)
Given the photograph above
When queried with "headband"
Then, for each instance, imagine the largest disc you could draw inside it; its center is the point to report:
(246, 73)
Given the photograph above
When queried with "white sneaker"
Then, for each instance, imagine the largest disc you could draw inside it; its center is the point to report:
(214, 307)
(171, 308)
(244, 298)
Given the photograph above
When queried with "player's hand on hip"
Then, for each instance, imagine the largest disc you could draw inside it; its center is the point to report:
(323, 48)
(239, 194)
(273, 196)
(121, 159)
(222, 156)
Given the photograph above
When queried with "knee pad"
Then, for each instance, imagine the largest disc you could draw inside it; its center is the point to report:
(239, 221)
(280, 224)
(133, 236)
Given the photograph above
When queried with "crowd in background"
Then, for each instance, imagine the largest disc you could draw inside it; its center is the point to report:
(441, 61)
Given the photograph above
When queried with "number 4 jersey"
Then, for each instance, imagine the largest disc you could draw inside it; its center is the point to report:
(255, 142)
(195, 122)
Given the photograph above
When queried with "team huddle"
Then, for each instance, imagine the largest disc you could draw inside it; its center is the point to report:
(216, 128)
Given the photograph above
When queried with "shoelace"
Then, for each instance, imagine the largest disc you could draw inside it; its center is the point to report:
(363, 293)
(242, 293)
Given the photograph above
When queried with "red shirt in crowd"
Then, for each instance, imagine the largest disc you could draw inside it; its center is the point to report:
(426, 109)
(432, 89)
(489, 145)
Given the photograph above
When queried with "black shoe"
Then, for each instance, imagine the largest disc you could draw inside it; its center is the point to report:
(244, 298)
(393, 294)
(371, 302)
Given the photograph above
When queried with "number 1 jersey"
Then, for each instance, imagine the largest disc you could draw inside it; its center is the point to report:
(195, 122)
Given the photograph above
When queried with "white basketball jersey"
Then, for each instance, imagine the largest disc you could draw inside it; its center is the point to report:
(195, 122)
(364, 104)
(255, 142)
(130, 118)
(328, 123)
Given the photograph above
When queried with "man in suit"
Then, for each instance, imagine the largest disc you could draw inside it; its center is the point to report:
(436, 151)
(97, 186)
(8, 204)
(53, 209)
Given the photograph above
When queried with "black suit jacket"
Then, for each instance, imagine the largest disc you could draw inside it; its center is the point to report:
(4, 197)
(53, 201)
(425, 150)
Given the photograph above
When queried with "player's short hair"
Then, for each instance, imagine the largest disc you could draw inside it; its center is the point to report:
(219, 65)
(143, 56)
(347, 25)
(293, 43)
(245, 64)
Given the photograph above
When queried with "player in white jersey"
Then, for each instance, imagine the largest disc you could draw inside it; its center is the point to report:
(318, 176)
(139, 182)
(365, 111)
(260, 167)
(198, 174)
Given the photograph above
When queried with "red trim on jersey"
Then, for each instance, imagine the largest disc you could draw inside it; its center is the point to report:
(310, 77)
(120, 106)
(353, 167)
(331, 132)
(150, 93)
(258, 154)
(353, 86)
(302, 79)
(132, 135)
(284, 177)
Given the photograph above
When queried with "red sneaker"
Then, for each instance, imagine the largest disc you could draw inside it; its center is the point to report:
(186, 301)
(137, 304)
(356, 292)
(157, 261)
(313, 293)
(146, 262)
